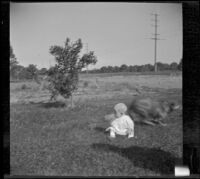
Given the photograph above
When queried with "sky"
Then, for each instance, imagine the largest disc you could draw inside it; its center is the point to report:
(118, 33)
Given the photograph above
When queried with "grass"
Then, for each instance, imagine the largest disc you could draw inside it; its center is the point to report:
(159, 73)
(50, 139)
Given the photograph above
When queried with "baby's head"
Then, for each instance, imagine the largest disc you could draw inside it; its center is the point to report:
(120, 109)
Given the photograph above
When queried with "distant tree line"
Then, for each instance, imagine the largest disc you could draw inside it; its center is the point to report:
(19, 72)
(139, 68)
(31, 72)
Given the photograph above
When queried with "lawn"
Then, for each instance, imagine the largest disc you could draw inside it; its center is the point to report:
(51, 139)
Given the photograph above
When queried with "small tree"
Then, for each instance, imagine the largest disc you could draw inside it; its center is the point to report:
(16, 71)
(123, 68)
(13, 63)
(115, 69)
(33, 71)
(42, 71)
(23, 74)
(13, 60)
(65, 75)
(103, 69)
(88, 59)
(174, 66)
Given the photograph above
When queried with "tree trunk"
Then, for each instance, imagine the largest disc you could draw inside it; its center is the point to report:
(72, 102)
(87, 69)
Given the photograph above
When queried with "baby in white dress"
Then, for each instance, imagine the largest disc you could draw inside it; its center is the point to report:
(122, 124)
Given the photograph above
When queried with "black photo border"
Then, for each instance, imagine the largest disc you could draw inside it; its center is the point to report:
(191, 85)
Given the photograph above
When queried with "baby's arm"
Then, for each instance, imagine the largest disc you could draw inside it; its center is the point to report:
(130, 127)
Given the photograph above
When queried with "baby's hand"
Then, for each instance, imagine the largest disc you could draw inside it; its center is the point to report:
(130, 136)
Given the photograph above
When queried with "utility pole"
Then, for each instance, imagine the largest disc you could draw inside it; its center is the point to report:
(155, 38)
(87, 53)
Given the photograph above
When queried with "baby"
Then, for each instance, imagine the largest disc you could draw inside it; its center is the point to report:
(121, 123)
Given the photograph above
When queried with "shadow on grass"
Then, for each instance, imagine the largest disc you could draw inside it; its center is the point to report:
(100, 129)
(56, 104)
(148, 158)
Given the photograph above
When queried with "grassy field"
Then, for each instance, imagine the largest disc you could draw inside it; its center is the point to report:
(47, 138)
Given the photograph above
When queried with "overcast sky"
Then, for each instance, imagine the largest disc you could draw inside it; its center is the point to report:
(117, 32)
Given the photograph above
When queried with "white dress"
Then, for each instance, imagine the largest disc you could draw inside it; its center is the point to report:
(123, 125)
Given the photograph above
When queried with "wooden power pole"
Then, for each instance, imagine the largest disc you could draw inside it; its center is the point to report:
(87, 53)
(155, 38)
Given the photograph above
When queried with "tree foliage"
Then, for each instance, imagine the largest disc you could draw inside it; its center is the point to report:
(64, 75)
(42, 71)
(13, 64)
(32, 71)
(15, 71)
(138, 68)
(123, 68)
(174, 66)
(13, 59)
